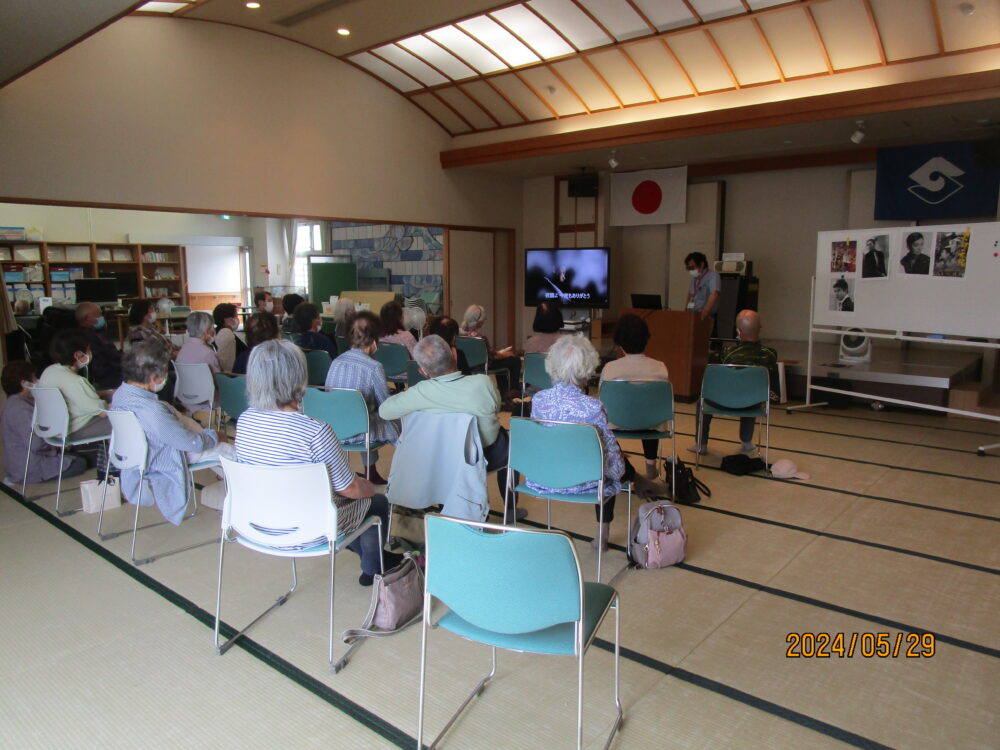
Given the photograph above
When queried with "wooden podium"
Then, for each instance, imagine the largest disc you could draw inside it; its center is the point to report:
(679, 339)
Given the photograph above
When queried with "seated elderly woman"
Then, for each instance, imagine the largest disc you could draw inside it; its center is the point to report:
(548, 321)
(173, 440)
(393, 328)
(197, 349)
(261, 327)
(70, 353)
(343, 313)
(227, 343)
(309, 324)
(275, 432)
(472, 325)
(631, 337)
(357, 369)
(141, 318)
(18, 440)
(570, 363)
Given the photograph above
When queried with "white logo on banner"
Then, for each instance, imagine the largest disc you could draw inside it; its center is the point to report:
(936, 181)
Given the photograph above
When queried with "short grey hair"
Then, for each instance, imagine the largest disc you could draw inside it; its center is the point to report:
(197, 323)
(572, 359)
(145, 358)
(276, 375)
(434, 356)
(473, 318)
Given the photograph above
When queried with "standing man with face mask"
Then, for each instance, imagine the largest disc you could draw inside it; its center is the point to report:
(703, 296)
(106, 362)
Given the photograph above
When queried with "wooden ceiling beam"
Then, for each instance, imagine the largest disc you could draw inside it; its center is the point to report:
(891, 98)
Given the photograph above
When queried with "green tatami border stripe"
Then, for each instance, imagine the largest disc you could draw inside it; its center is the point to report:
(761, 704)
(801, 598)
(320, 689)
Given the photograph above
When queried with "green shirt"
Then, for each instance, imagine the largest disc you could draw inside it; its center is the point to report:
(449, 394)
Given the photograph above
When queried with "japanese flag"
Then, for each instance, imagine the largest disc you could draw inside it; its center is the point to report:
(653, 196)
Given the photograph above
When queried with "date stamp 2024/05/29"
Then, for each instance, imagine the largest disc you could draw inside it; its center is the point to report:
(866, 645)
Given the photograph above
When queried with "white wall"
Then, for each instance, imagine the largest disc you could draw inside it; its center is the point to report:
(164, 112)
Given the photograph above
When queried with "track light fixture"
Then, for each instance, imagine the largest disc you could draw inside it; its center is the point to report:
(859, 134)
(613, 162)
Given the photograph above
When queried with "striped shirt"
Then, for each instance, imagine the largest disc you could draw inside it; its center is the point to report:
(288, 438)
(356, 370)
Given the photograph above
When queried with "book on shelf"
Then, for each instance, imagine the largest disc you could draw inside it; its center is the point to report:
(103, 256)
(78, 253)
(121, 255)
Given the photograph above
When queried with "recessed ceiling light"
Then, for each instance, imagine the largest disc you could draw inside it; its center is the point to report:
(253, 5)
(344, 32)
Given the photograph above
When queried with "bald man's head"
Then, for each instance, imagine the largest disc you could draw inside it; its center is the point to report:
(748, 324)
(87, 314)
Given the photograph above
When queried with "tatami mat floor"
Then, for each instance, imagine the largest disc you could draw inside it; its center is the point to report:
(895, 532)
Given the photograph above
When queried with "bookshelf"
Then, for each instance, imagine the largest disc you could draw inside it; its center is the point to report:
(48, 269)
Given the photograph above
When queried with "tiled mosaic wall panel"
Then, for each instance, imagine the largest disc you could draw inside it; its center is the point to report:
(415, 255)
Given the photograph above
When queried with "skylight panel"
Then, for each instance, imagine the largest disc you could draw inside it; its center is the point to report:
(467, 49)
(618, 17)
(414, 67)
(572, 22)
(162, 7)
(532, 29)
(441, 59)
(385, 71)
(496, 38)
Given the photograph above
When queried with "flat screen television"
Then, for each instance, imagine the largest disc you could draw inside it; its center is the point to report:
(128, 282)
(570, 277)
(97, 290)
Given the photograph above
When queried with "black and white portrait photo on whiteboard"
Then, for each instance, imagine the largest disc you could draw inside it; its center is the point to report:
(842, 295)
(916, 246)
(843, 256)
(875, 261)
(951, 253)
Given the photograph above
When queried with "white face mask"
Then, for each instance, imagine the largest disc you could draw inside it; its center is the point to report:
(233, 324)
(152, 317)
(157, 387)
(84, 362)
(269, 306)
(694, 272)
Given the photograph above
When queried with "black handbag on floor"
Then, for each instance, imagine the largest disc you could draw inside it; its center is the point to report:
(688, 487)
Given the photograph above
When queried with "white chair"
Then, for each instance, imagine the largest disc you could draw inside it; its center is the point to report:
(130, 450)
(195, 388)
(50, 421)
(263, 514)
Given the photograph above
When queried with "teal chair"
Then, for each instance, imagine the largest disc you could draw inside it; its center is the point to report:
(413, 374)
(529, 597)
(342, 345)
(393, 358)
(637, 407)
(232, 395)
(736, 391)
(534, 375)
(478, 357)
(558, 455)
(317, 366)
(346, 412)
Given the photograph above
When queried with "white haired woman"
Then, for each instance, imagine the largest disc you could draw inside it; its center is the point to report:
(275, 432)
(173, 440)
(472, 324)
(197, 348)
(571, 362)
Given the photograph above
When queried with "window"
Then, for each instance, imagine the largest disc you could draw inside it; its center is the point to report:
(308, 241)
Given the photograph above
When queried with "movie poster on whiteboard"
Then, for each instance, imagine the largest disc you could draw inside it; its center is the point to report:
(875, 265)
(951, 252)
(914, 253)
(844, 256)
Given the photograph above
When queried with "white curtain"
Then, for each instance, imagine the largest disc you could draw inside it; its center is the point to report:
(288, 232)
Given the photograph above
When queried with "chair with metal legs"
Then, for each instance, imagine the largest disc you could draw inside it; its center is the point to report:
(232, 396)
(529, 597)
(636, 408)
(393, 358)
(735, 391)
(558, 455)
(533, 376)
(130, 450)
(195, 388)
(261, 514)
(50, 422)
(346, 411)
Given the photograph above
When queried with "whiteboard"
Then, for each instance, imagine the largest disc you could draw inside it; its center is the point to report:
(953, 290)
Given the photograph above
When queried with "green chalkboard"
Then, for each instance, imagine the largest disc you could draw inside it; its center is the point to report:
(326, 279)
